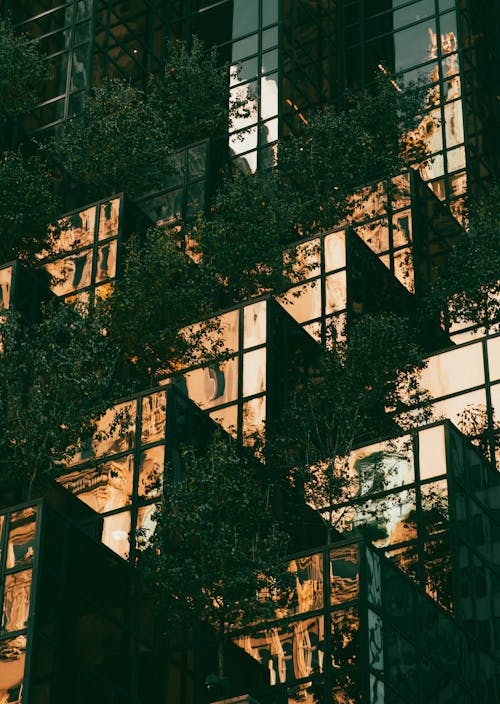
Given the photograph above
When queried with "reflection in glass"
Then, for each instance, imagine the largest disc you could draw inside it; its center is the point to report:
(151, 471)
(109, 219)
(336, 292)
(12, 658)
(431, 452)
(115, 430)
(335, 255)
(105, 487)
(344, 574)
(373, 579)
(21, 544)
(345, 638)
(307, 593)
(71, 273)
(5, 286)
(16, 601)
(254, 372)
(154, 414)
(213, 385)
(227, 417)
(254, 321)
(254, 416)
(303, 302)
(146, 525)
(375, 641)
(453, 371)
(290, 651)
(106, 261)
(77, 231)
(115, 533)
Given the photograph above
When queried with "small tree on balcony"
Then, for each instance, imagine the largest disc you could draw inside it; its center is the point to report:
(27, 206)
(191, 93)
(366, 387)
(467, 290)
(22, 71)
(218, 555)
(161, 292)
(374, 135)
(120, 143)
(57, 377)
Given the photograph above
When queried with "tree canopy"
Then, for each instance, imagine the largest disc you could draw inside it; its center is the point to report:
(28, 205)
(22, 71)
(218, 554)
(57, 377)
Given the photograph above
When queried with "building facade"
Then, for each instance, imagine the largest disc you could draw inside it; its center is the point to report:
(404, 605)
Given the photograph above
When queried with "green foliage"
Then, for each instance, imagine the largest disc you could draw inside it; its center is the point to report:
(27, 205)
(218, 555)
(345, 402)
(56, 379)
(342, 149)
(161, 291)
(243, 237)
(22, 71)
(468, 290)
(191, 94)
(119, 144)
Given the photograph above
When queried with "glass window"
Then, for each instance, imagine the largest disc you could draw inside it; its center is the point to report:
(254, 372)
(303, 303)
(16, 601)
(228, 418)
(269, 11)
(414, 45)
(115, 533)
(109, 214)
(254, 322)
(21, 544)
(146, 525)
(115, 430)
(254, 416)
(344, 574)
(5, 287)
(269, 96)
(432, 452)
(71, 273)
(269, 38)
(245, 47)
(108, 486)
(151, 469)
(412, 13)
(106, 261)
(307, 594)
(12, 659)
(154, 415)
(453, 407)
(245, 17)
(213, 385)
(335, 256)
(345, 638)
(336, 292)
(454, 371)
(77, 231)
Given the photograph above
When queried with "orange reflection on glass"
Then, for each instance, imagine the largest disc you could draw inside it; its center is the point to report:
(109, 218)
(151, 471)
(21, 542)
(12, 659)
(5, 286)
(16, 601)
(154, 415)
(115, 533)
(307, 594)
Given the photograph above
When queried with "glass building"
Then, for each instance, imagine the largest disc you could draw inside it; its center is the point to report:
(403, 605)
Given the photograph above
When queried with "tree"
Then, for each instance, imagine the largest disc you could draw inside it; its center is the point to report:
(120, 143)
(160, 293)
(218, 555)
(468, 288)
(372, 136)
(28, 204)
(243, 237)
(190, 81)
(367, 386)
(22, 71)
(57, 377)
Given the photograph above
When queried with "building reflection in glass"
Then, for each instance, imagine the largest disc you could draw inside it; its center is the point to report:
(5, 287)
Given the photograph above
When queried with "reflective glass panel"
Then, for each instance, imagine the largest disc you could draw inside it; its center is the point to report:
(213, 385)
(109, 219)
(345, 638)
(375, 641)
(494, 358)
(415, 45)
(454, 371)
(16, 601)
(106, 261)
(77, 231)
(227, 417)
(151, 469)
(344, 574)
(115, 533)
(71, 273)
(105, 487)
(254, 320)
(12, 658)
(154, 415)
(336, 292)
(254, 416)
(303, 303)
(245, 17)
(432, 452)
(254, 372)
(5, 287)
(146, 525)
(269, 96)
(335, 256)
(116, 430)
(22, 533)
(307, 592)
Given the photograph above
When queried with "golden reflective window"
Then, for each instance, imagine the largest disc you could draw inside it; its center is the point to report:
(336, 292)
(109, 219)
(227, 417)
(106, 261)
(154, 416)
(71, 273)
(454, 371)
(254, 372)
(77, 231)
(115, 533)
(16, 601)
(213, 385)
(303, 302)
(5, 287)
(21, 541)
(151, 469)
(335, 254)
(12, 659)
(431, 452)
(255, 324)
